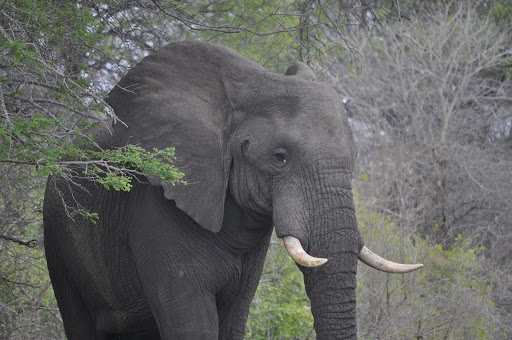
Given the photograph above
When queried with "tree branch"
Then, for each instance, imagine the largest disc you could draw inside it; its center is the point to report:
(30, 244)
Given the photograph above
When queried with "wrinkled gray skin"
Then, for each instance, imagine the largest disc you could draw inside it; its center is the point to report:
(183, 262)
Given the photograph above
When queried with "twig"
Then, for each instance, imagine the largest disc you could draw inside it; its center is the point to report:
(18, 282)
(30, 244)
(3, 108)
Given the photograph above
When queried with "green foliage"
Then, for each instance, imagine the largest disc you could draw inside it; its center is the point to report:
(29, 141)
(262, 17)
(50, 26)
(280, 309)
(275, 33)
(43, 120)
(151, 164)
(48, 103)
(27, 302)
(385, 10)
(450, 297)
(91, 216)
(501, 10)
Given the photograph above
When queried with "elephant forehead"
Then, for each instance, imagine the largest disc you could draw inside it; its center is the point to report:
(322, 133)
(312, 112)
(315, 131)
(300, 113)
(295, 100)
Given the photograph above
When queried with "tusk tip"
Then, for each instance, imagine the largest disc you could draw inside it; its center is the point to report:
(317, 262)
(379, 263)
(407, 268)
(297, 253)
(311, 262)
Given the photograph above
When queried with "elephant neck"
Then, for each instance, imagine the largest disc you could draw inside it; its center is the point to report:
(241, 231)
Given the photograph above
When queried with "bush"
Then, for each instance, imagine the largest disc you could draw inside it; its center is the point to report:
(281, 308)
(451, 297)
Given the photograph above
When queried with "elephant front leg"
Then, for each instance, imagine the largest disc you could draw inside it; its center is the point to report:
(189, 314)
(179, 295)
(234, 300)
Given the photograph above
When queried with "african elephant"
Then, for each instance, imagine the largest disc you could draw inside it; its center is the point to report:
(183, 262)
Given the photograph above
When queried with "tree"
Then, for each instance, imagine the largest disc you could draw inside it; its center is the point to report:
(431, 109)
(47, 105)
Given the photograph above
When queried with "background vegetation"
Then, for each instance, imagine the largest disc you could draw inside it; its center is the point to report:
(426, 84)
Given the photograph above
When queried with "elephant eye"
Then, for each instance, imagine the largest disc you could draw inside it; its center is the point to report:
(244, 145)
(281, 158)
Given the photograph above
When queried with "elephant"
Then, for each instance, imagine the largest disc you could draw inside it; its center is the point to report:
(260, 151)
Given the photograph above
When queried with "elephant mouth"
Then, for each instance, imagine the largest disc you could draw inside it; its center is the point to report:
(301, 257)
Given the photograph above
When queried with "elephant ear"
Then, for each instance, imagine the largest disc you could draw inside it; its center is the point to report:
(177, 97)
(301, 70)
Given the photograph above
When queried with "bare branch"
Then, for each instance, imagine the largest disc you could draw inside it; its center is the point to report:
(30, 244)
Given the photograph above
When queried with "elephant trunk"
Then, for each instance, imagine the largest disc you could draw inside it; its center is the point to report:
(331, 287)
(332, 293)
(325, 224)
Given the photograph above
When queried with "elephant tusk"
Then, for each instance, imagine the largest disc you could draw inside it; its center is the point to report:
(377, 262)
(299, 255)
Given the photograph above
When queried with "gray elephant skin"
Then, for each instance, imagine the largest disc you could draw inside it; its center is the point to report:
(183, 262)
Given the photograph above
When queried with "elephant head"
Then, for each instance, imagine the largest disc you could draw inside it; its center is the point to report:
(279, 145)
